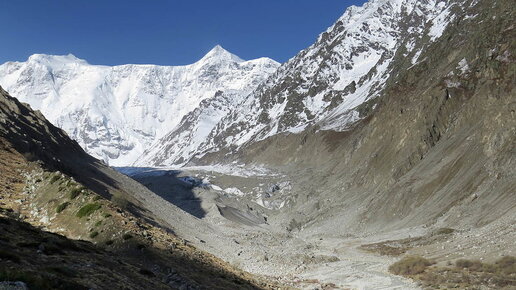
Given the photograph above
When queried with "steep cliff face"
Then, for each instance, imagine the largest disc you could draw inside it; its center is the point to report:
(115, 113)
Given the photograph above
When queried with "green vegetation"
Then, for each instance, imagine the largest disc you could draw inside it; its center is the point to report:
(75, 193)
(127, 236)
(444, 231)
(94, 234)
(503, 266)
(120, 201)
(410, 265)
(88, 209)
(106, 215)
(98, 223)
(62, 207)
(465, 273)
(506, 265)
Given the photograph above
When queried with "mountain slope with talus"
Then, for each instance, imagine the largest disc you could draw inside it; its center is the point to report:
(115, 113)
(434, 149)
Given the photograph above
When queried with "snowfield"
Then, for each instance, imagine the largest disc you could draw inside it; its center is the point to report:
(115, 113)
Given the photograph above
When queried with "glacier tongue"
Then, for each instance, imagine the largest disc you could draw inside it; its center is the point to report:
(117, 112)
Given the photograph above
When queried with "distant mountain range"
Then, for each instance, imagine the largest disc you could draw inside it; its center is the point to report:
(115, 113)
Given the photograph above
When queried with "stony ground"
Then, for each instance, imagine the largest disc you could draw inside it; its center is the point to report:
(299, 255)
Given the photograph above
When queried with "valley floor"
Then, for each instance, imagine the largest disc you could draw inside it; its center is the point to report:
(257, 238)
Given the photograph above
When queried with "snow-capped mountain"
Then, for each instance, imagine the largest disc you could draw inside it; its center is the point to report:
(161, 116)
(326, 85)
(117, 112)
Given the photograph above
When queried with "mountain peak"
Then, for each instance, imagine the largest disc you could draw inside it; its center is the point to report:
(218, 53)
(55, 59)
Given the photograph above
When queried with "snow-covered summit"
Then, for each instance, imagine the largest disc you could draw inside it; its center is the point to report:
(115, 112)
(47, 59)
(219, 54)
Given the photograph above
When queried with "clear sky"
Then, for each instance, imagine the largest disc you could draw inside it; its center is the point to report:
(166, 32)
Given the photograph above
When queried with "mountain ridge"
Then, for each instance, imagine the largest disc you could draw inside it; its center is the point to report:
(327, 85)
(115, 112)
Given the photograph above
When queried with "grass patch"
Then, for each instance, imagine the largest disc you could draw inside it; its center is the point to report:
(88, 209)
(120, 201)
(465, 274)
(41, 279)
(384, 249)
(410, 265)
(94, 234)
(74, 193)
(98, 223)
(399, 247)
(507, 265)
(62, 206)
(444, 231)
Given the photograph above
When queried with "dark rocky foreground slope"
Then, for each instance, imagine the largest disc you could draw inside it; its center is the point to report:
(102, 237)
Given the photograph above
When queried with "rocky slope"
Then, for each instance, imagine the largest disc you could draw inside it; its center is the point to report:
(115, 113)
(409, 152)
(436, 147)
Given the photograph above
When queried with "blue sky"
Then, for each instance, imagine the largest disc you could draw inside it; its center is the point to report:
(162, 32)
